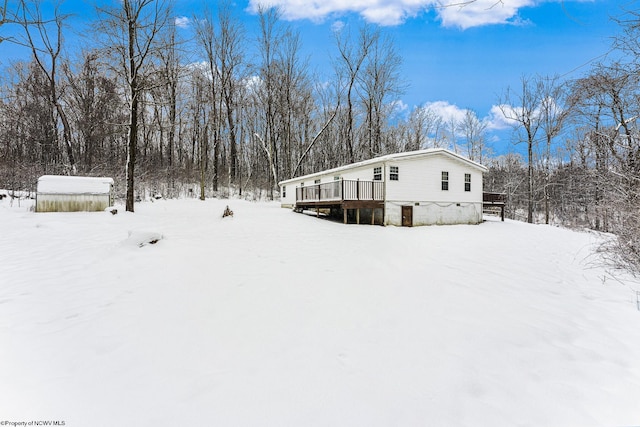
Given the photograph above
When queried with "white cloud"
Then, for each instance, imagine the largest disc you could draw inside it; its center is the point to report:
(253, 84)
(399, 106)
(383, 12)
(496, 120)
(337, 26)
(505, 116)
(446, 112)
(482, 12)
(182, 22)
(391, 14)
(452, 13)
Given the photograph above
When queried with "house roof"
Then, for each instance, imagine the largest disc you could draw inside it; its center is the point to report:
(59, 184)
(389, 157)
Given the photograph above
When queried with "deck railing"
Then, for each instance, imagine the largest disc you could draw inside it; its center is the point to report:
(494, 198)
(494, 201)
(341, 190)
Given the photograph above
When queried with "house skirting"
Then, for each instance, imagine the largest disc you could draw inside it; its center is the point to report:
(433, 213)
(392, 212)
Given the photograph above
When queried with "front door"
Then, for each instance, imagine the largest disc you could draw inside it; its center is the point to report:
(407, 216)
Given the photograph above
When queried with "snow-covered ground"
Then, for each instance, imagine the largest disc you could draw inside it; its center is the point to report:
(272, 318)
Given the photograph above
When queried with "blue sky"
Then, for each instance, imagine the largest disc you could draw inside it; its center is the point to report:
(453, 57)
(458, 58)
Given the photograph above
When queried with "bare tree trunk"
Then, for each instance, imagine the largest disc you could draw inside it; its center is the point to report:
(132, 137)
(524, 113)
(132, 147)
(141, 21)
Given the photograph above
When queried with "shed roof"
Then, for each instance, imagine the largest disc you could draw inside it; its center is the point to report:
(59, 184)
(389, 157)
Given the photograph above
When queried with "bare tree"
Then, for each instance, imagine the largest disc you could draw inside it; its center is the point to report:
(553, 113)
(265, 95)
(27, 129)
(200, 122)
(206, 38)
(508, 174)
(4, 11)
(94, 107)
(473, 130)
(130, 32)
(523, 109)
(452, 126)
(348, 66)
(380, 84)
(230, 56)
(46, 50)
(424, 128)
(171, 70)
(590, 141)
(10, 16)
(295, 106)
(417, 129)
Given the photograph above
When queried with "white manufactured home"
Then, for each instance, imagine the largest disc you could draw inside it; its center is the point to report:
(56, 193)
(426, 187)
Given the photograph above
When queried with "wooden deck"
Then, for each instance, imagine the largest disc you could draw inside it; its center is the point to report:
(494, 201)
(350, 195)
(345, 195)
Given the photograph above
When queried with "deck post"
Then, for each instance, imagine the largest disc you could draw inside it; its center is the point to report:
(344, 214)
(358, 189)
(358, 216)
(373, 216)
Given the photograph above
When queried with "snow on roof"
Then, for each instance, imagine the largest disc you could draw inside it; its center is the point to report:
(58, 184)
(388, 157)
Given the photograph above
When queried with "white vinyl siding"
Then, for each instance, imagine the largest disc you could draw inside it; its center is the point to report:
(419, 187)
(422, 181)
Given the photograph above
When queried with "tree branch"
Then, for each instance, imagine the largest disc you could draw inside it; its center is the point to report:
(313, 141)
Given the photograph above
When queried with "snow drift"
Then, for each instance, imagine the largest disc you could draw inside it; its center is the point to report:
(282, 319)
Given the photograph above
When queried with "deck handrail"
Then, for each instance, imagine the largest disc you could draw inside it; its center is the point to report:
(344, 189)
(494, 198)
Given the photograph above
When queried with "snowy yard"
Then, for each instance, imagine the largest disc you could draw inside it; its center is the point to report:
(272, 318)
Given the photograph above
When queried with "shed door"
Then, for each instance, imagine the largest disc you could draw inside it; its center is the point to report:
(407, 216)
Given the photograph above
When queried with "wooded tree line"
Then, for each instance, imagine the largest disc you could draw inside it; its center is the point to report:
(582, 166)
(228, 109)
(232, 109)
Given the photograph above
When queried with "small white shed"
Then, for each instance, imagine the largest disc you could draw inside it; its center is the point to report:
(57, 193)
(433, 186)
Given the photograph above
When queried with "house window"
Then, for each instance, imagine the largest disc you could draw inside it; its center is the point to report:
(336, 178)
(302, 184)
(445, 181)
(377, 173)
(393, 173)
(317, 181)
(467, 182)
(284, 191)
